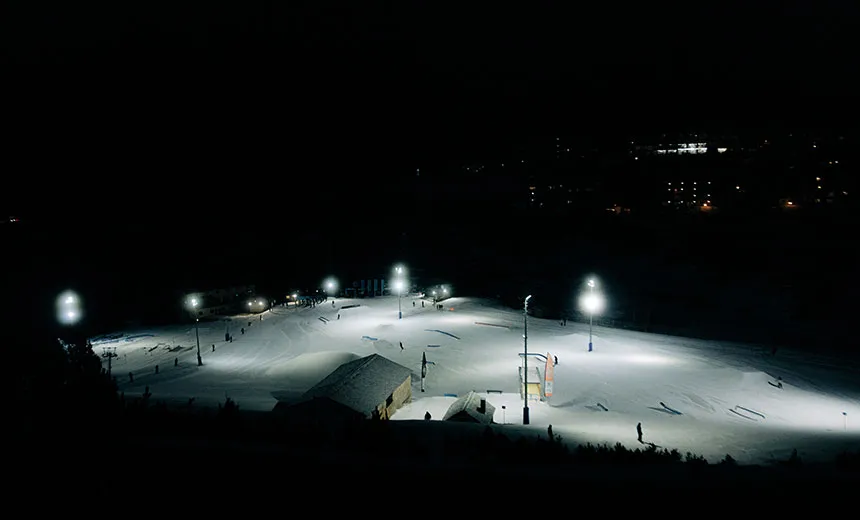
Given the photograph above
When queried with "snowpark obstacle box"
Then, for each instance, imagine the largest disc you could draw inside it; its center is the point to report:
(532, 385)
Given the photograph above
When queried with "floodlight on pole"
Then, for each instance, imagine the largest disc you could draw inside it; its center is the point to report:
(69, 309)
(526, 359)
(592, 303)
(399, 286)
(194, 304)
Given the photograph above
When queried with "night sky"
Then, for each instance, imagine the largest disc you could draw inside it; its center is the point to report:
(164, 127)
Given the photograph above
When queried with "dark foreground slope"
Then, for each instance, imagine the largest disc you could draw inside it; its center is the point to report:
(236, 457)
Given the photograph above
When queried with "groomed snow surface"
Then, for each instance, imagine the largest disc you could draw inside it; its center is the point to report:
(720, 398)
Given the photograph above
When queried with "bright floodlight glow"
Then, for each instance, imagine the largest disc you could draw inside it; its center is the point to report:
(591, 283)
(194, 302)
(592, 303)
(398, 284)
(69, 309)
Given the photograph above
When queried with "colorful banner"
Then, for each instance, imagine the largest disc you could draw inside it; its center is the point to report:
(548, 378)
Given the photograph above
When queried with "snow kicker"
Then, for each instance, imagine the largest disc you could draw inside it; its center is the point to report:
(441, 332)
(138, 336)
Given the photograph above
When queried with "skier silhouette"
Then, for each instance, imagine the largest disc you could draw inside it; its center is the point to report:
(639, 431)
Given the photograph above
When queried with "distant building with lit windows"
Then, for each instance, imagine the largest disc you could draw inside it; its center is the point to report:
(689, 195)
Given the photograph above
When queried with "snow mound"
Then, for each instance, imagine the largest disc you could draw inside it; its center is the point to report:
(308, 369)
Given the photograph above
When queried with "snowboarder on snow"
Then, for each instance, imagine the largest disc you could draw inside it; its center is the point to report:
(176, 362)
(779, 382)
(427, 415)
(554, 360)
(401, 345)
(639, 431)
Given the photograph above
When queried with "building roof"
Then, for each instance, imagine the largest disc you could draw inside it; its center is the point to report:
(468, 405)
(361, 384)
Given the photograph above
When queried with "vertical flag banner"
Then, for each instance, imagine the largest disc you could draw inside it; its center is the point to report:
(548, 378)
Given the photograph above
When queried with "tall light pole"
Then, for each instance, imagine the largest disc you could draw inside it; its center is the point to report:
(591, 302)
(194, 303)
(399, 286)
(590, 314)
(526, 359)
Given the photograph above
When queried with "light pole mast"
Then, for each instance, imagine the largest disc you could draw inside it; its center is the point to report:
(526, 359)
(590, 314)
(197, 333)
(399, 293)
(194, 303)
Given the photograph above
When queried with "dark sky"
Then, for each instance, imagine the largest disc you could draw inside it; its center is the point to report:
(150, 101)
